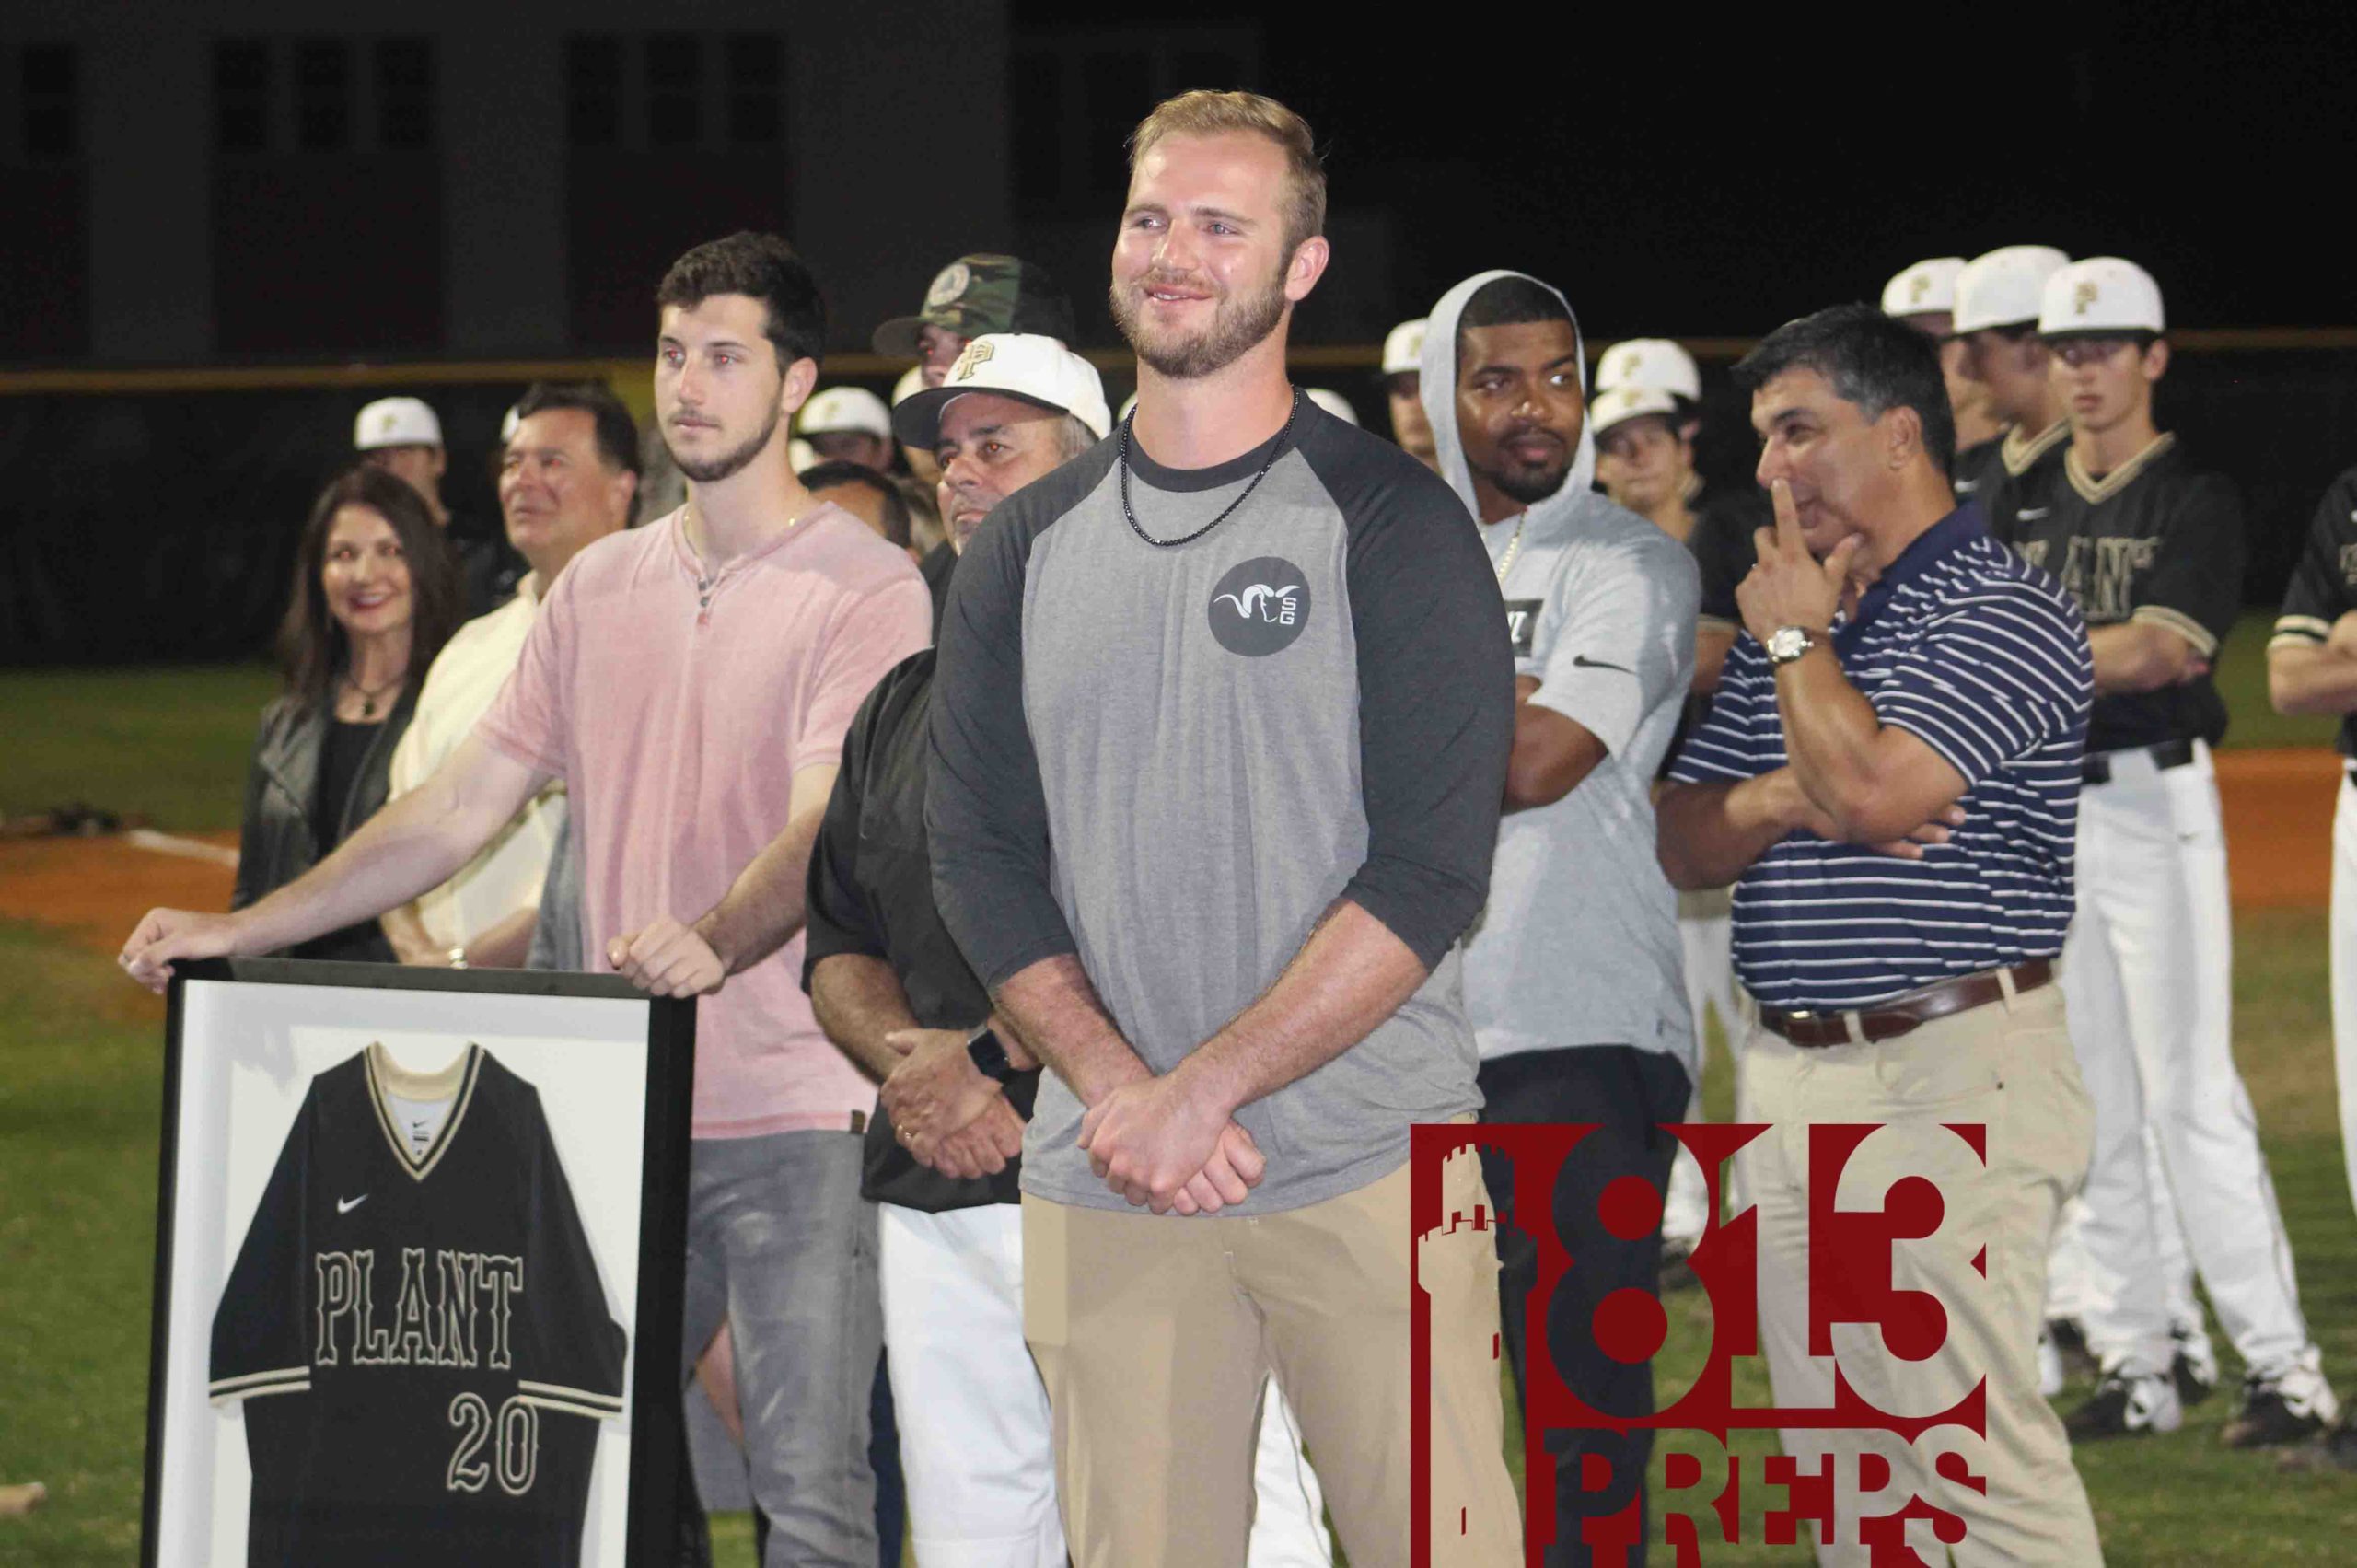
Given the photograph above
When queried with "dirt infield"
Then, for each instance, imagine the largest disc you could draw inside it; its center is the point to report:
(2278, 830)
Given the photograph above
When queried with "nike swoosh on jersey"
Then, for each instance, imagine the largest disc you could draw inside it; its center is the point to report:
(345, 1206)
(2031, 514)
(1584, 662)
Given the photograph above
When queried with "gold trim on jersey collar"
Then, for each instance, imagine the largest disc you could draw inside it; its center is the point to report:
(2018, 453)
(2092, 490)
(389, 1077)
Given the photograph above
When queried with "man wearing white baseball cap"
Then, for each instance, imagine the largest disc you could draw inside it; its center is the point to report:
(848, 425)
(404, 436)
(1403, 349)
(2153, 548)
(893, 990)
(1995, 320)
(1923, 295)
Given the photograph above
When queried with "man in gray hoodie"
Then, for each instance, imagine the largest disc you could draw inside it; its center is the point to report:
(1573, 973)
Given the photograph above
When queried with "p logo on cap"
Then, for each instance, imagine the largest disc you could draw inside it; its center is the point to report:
(1919, 286)
(2083, 295)
(947, 285)
(976, 356)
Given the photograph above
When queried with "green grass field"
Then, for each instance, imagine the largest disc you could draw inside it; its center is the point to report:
(80, 1083)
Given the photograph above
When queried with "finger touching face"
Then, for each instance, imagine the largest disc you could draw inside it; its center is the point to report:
(1823, 446)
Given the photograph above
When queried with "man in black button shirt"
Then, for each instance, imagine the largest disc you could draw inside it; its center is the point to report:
(891, 987)
(2152, 547)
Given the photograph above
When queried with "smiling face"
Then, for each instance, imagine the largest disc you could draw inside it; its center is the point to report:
(1837, 462)
(556, 491)
(1519, 407)
(1202, 273)
(719, 392)
(364, 574)
(989, 447)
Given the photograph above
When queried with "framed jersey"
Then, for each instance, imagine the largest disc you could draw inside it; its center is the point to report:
(415, 1230)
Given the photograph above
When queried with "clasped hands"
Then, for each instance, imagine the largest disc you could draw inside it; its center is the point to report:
(1166, 1143)
(945, 1111)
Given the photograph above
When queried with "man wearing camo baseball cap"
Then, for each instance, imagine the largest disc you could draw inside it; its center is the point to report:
(973, 296)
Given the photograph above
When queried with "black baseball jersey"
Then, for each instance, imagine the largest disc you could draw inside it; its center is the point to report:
(2324, 584)
(1969, 475)
(1725, 552)
(2006, 477)
(2156, 540)
(417, 1331)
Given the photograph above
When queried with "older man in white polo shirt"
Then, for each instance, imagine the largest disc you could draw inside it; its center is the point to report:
(569, 478)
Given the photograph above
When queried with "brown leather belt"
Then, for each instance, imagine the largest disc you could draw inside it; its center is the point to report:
(1814, 1030)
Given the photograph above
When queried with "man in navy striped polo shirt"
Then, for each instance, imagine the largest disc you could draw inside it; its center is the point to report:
(1889, 775)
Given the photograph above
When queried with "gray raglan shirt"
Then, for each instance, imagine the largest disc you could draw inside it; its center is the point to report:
(1171, 762)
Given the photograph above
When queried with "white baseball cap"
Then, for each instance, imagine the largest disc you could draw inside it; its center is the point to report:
(395, 422)
(911, 380)
(1403, 347)
(1619, 405)
(1029, 366)
(846, 410)
(1332, 402)
(800, 456)
(1127, 404)
(2102, 293)
(1924, 289)
(2002, 287)
(508, 422)
(1650, 362)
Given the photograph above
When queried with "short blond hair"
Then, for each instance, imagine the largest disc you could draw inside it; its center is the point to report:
(1204, 113)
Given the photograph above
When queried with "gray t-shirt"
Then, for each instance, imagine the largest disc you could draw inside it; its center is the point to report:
(1171, 761)
(1579, 944)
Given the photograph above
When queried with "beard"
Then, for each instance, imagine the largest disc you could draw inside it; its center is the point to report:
(1526, 482)
(1239, 323)
(711, 470)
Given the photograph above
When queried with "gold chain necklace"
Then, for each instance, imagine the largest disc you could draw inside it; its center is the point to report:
(1514, 548)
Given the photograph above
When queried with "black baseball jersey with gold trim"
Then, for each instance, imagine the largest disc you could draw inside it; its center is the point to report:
(2156, 541)
(1969, 475)
(2006, 475)
(2324, 584)
(416, 1329)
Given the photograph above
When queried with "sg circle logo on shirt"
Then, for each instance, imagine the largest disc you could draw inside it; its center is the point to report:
(1260, 607)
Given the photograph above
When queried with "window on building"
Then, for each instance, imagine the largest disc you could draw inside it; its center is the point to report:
(593, 84)
(241, 76)
(404, 94)
(674, 90)
(52, 98)
(323, 94)
(756, 89)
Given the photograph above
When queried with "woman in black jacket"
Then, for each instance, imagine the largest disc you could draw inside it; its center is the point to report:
(376, 597)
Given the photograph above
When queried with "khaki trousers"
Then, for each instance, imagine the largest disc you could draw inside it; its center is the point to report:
(1153, 1333)
(2009, 1066)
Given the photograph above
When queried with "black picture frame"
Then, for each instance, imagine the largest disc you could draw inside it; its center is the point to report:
(656, 1416)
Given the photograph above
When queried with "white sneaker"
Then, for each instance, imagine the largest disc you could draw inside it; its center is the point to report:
(2127, 1405)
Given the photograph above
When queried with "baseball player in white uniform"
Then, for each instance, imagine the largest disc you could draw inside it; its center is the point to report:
(2152, 547)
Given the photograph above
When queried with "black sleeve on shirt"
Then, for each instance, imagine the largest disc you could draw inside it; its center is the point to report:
(1436, 690)
(986, 811)
(2195, 587)
(250, 858)
(260, 1341)
(2318, 593)
(570, 1353)
(838, 917)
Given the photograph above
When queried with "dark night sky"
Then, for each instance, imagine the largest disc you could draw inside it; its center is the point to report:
(1682, 176)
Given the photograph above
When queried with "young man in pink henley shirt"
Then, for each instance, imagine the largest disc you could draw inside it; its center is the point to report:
(691, 682)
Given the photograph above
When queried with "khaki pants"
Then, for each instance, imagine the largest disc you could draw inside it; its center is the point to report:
(1152, 1332)
(2009, 1066)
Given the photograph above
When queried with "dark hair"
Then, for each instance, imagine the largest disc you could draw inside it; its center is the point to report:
(1875, 361)
(617, 431)
(828, 475)
(1509, 302)
(312, 646)
(763, 267)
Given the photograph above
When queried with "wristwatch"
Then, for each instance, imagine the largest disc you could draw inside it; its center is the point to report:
(988, 1055)
(1786, 643)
